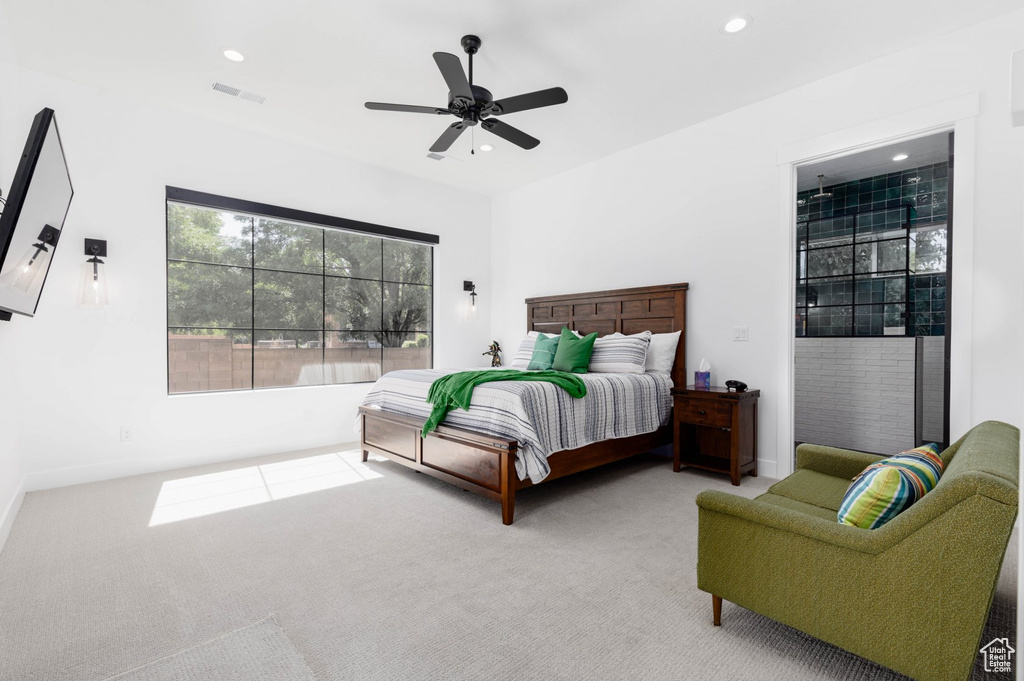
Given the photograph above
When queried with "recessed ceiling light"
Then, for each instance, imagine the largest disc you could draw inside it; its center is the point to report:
(900, 157)
(486, 147)
(736, 24)
(234, 55)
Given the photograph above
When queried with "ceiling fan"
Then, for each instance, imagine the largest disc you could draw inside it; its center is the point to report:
(474, 105)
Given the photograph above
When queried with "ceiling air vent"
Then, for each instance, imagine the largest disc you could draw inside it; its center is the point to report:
(241, 94)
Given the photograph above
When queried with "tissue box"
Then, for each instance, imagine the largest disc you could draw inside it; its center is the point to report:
(701, 379)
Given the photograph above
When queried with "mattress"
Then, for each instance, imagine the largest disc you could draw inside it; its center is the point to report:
(540, 416)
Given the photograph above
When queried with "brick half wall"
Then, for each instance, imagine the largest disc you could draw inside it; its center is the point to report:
(856, 393)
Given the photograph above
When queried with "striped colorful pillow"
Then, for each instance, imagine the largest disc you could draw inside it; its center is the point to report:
(884, 489)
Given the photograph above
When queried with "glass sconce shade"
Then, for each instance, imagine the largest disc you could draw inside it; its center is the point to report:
(27, 275)
(93, 291)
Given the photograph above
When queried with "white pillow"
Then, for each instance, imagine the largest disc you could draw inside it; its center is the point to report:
(618, 354)
(661, 353)
(521, 359)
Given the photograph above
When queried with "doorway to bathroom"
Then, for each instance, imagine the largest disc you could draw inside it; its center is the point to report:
(873, 280)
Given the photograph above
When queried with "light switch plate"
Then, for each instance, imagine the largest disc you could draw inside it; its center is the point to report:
(739, 333)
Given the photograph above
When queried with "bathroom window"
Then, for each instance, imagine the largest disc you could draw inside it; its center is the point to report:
(891, 277)
(868, 274)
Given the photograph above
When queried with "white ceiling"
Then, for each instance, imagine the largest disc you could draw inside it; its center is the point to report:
(634, 71)
(921, 151)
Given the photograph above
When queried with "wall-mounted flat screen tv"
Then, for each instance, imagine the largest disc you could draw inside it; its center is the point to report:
(33, 218)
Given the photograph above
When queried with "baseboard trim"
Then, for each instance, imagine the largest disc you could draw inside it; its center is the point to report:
(767, 469)
(10, 513)
(110, 470)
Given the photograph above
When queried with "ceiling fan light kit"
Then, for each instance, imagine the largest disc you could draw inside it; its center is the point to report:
(474, 104)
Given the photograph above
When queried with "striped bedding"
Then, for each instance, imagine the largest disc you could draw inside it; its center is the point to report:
(542, 417)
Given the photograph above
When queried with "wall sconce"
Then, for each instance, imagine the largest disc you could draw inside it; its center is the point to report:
(93, 292)
(812, 296)
(471, 287)
(33, 264)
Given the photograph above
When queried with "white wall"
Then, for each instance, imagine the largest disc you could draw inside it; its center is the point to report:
(701, 205)
(81, 374)
(10, 404)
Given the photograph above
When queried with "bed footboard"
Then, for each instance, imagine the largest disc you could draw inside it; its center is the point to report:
(478, 463)
(485, 464)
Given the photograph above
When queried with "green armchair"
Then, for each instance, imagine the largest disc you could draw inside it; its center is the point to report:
(912, 595)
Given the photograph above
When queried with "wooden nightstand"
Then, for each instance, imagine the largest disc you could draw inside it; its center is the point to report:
(716, 430)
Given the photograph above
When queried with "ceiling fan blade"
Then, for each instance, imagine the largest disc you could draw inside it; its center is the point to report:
(510, 134)
(408, 108)
(454, 76)
(533, 100)
(448, 137)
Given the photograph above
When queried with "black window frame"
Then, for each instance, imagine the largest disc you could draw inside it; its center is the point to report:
(805, 248)
(178, 195)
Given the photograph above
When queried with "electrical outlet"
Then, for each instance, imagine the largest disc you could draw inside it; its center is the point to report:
(127, 434)
(739, 333)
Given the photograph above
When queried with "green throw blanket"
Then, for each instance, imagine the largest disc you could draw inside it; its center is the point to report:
(456, 390)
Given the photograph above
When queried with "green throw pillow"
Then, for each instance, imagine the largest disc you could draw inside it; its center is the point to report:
(573, 354)
(543, 352)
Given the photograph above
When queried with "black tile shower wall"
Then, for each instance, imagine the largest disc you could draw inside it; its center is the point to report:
(928, 302)
(924, 190)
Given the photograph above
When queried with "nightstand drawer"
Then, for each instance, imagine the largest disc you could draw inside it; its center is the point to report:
(704, 412)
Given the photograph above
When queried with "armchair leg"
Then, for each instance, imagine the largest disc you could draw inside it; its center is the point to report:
(716, 609)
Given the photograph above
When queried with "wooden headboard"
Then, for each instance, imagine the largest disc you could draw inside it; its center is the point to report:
(660, 309)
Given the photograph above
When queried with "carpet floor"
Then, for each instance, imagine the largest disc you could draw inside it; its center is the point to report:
(373, 572)
(258, 652)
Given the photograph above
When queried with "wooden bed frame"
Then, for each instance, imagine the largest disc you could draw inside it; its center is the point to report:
(485, 464)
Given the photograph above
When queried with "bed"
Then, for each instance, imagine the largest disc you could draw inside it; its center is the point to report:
(485, 463)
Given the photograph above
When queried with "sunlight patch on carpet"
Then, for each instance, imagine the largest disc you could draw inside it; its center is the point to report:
(203, 495)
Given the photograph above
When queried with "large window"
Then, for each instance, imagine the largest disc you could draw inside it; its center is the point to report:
(872, 254)
(260, 302)
(866, 276)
